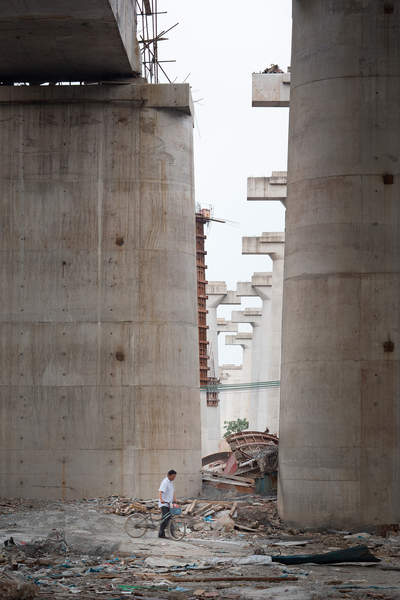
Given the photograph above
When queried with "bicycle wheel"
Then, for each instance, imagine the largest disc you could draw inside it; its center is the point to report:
(135, 525)
(177, 528)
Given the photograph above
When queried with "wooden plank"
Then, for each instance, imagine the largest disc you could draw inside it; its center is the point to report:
(244, 528)
(190, 507)
(233, 509)
(227, 480)
(238, 478)
(202, 510)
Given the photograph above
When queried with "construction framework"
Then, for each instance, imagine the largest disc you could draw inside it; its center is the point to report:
(203, 217)
(149, 38)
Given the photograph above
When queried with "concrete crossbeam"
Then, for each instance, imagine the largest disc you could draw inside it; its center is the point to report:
(261, 280)
(215, 288)
(245, 289)
(224, 326)
(249, 315)
(44, 40)
(139, 94)
(231, 298)
(240, 339)
(268, 243)
(267, 188)
(218, 293)
(270, 89)
(252, 288)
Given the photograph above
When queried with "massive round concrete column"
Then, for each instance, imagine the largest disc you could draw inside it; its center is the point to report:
(340, 408)
(99, 387)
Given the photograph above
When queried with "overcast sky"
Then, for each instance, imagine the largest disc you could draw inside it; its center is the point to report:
(217, 45)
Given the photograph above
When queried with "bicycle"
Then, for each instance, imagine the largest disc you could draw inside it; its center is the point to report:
(138, 523)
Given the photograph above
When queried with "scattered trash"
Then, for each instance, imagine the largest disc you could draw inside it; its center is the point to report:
(237, 548)
(54, 543)
(358, 537)
(11, 589)
(254, 559)
(224, 522)
(159, 561)
(288, 544)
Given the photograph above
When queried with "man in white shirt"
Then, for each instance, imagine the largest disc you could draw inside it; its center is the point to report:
(166, 499)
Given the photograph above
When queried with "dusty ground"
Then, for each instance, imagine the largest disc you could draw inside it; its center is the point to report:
(101, 561)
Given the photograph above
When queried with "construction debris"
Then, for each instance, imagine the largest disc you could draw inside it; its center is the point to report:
(253, 457)
(11, 589)
(54, 543)
(232, 550)
(273, 69)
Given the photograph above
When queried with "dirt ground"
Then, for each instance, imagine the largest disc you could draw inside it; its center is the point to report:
(88, 555)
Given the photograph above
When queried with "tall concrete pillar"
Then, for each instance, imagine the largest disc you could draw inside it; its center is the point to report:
(217, 294)
(229, 375)
(211, 415)
(252, 316)
(272, 245)
(261, 286)
(235, 404)
(340, 416)
(98, 324)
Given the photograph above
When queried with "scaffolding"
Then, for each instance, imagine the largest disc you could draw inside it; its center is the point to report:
(149, 38)
(209, 382)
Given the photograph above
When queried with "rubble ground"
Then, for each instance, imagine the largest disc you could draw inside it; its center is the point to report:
(62, 549)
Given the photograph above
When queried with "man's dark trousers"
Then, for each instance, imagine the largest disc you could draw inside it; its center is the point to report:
(164, 520)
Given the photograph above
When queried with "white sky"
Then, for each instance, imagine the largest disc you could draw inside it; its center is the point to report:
(220, 43)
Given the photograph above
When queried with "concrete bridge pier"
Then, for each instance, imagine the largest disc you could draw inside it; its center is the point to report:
(98, 319)
(272, 245)
(260, 286)
(236, 404)
(340, 413)
(217, 294)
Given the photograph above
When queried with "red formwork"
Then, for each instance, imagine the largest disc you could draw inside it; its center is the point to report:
(202, 218)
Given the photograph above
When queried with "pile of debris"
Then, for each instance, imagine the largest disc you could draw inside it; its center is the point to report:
(127, 506)
(273, 68)
(203, 515)
(258, 558)
(253, 457)
(12, 589)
